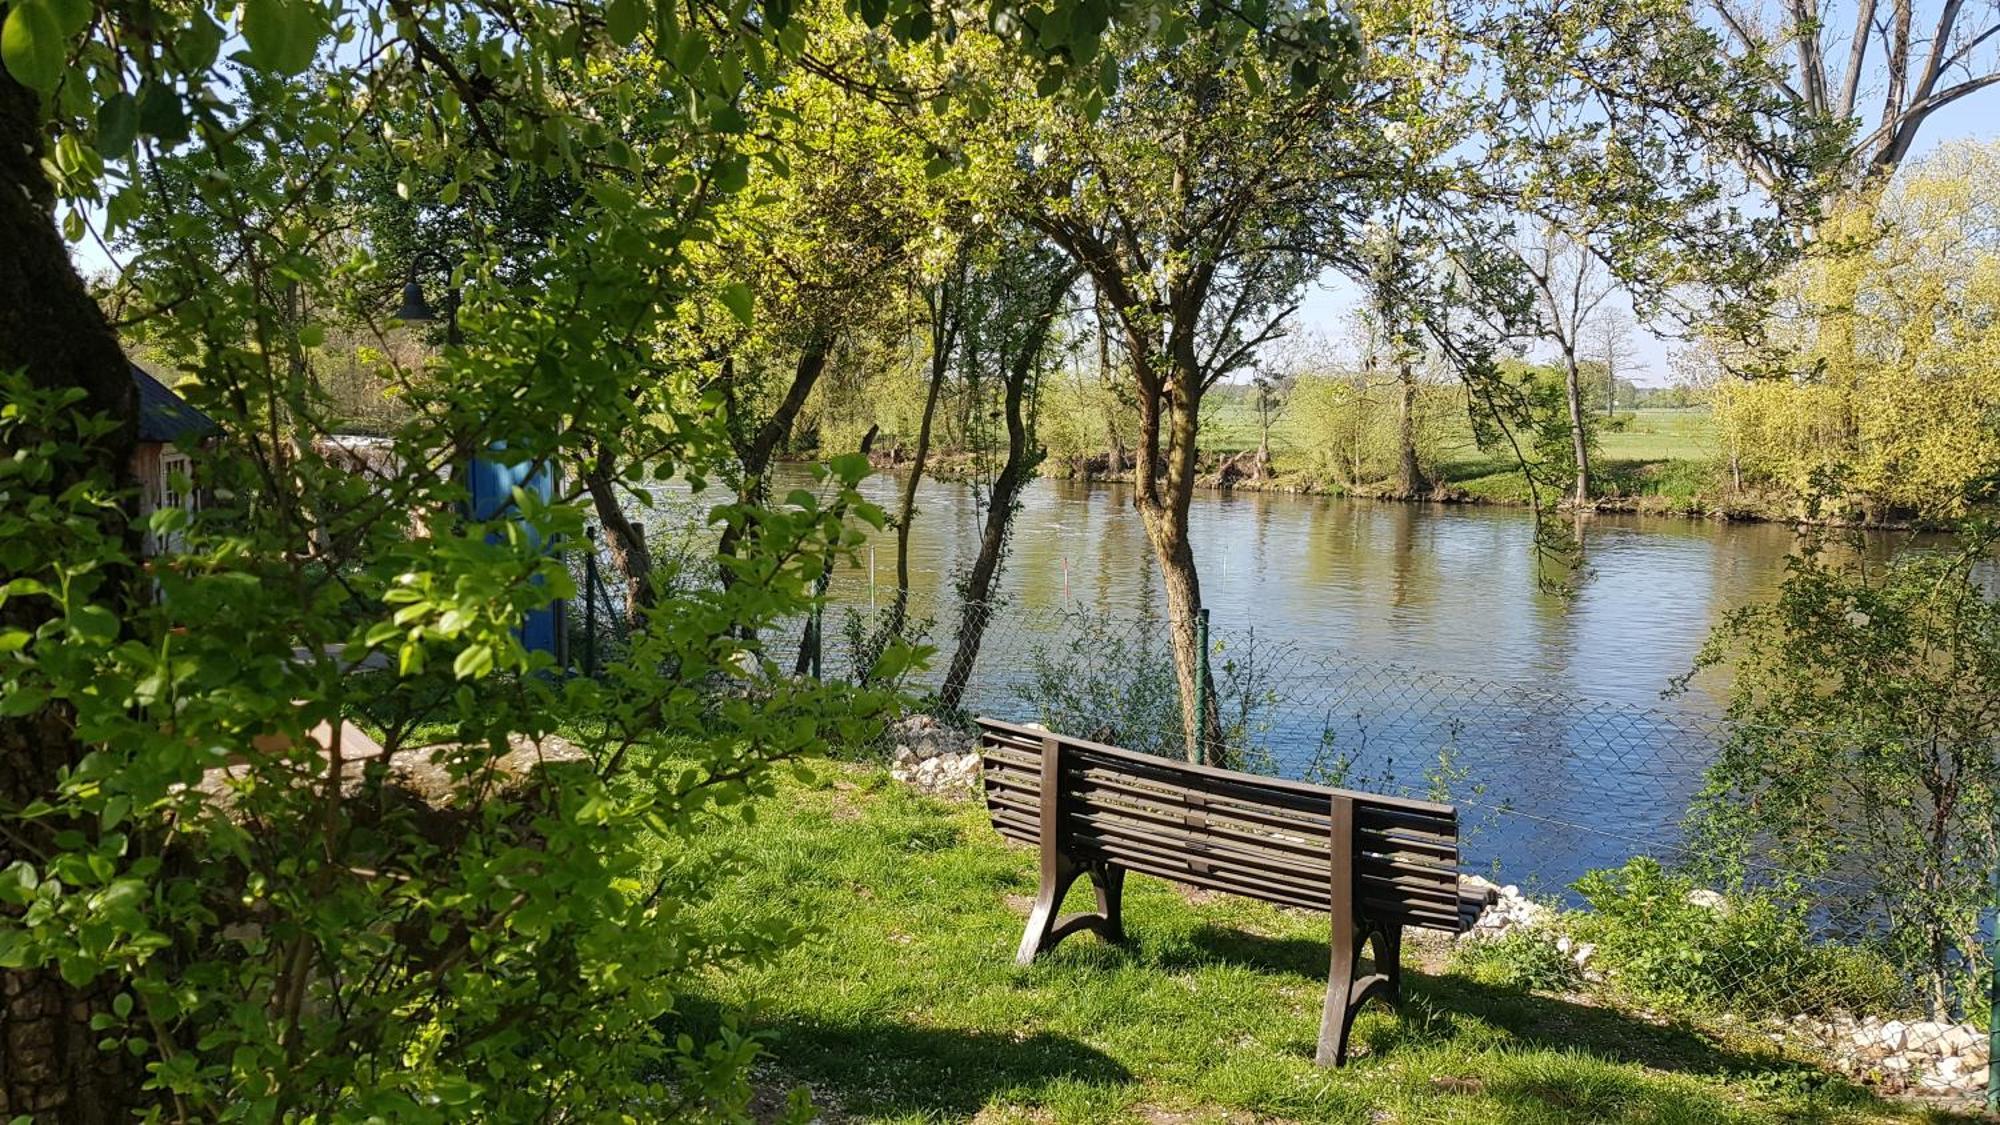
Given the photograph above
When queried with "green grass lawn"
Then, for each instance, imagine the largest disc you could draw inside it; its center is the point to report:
(1661, 435)
(1668, 454)
(905, 1004)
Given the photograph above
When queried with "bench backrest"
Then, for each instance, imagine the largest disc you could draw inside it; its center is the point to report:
(1259, 837)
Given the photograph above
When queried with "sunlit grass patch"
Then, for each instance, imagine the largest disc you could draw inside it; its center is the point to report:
(905, 1003)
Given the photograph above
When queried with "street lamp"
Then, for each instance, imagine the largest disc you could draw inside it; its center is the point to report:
(417, 310)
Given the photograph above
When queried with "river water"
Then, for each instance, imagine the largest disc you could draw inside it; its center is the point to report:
(1416, 641)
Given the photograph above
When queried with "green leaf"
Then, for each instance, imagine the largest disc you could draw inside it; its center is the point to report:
(198, 42)
(72, 16)
(94, 623)
(474, 662)
(283, 34)
(18, 882)
(22, 700)
(161, 114)
(737, 297)
(623, 19)
(117, 124)
(32, 45)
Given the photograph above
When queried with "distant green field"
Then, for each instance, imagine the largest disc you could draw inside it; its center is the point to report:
(1661, 435)
(1665, 453)
(1685, 434)
(1229, 426)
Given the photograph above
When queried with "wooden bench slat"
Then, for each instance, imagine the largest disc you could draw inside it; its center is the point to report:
(1149, 864)
(1030, 739)
(1312, 822)
(1019, 759)
(1412, 879)
(1221, 821)
(1312, 884)
(1308, 837)
(1423, 888)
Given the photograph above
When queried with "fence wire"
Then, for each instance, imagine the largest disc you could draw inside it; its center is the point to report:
(1582, 811)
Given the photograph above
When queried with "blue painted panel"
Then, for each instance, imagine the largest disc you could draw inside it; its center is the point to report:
(492, 483)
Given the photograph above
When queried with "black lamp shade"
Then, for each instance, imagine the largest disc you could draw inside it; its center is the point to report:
(415, 308)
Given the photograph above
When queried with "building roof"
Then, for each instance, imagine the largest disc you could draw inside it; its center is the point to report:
(165, 416)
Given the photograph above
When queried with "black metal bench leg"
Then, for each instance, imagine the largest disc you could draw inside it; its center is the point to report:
(1046, 930)
(1389, 960)
(1347, 990)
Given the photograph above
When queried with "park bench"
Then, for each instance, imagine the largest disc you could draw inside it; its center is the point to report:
(1377, 864)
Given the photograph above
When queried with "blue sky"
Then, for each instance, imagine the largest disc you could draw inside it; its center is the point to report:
(1325, 311)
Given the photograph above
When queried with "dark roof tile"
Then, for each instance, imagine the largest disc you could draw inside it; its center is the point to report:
(165, 416)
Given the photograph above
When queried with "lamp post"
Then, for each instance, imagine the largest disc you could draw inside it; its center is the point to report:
(416, 310)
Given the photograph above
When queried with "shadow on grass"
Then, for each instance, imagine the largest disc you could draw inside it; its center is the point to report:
(1511, 1055)
(1439, 1009)
(881, 1067)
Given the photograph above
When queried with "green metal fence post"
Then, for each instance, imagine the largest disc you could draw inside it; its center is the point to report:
(818, 629)
(1993, 1006)
(1201, 686)
(590, 604)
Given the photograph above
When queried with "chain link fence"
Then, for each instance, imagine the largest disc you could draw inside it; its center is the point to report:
(1592, 819)
(1595, 821)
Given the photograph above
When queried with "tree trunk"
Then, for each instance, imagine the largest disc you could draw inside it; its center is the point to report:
(1163, 502)
(755, 452)
(626, 539)
(1410, 479)
(944, 331)
(50, 1067)
(975, 612)
(1579, 443)
(1114, 442)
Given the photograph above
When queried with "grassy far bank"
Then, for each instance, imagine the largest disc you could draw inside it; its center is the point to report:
(1657, 458)
(904, 1004)
(1664, 458)
(1661, 460)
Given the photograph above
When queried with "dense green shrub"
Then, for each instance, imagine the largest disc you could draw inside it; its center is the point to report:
(1110, 682)
(1861, 752)
(465, 925)
(1666, 943)
(1527, 959)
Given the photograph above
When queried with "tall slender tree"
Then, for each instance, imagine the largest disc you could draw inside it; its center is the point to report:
(1571, 287)
(1017, 300)
(1199, 201)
